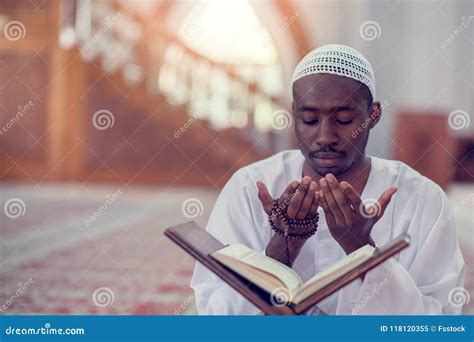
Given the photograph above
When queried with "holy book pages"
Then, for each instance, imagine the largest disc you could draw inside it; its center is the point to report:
(271, 275)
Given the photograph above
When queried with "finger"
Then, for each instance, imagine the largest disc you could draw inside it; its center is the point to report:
(295, 202)
(264, 197)
(327, 212)
(314, 206)
(352, 196)
(341, 201)
(307, 201)
(284, 199)
(384, 200)
(331, 202)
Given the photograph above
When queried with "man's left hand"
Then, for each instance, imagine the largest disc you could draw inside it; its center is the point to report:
(349, 220)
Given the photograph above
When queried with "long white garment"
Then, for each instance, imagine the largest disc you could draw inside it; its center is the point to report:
(417, 281)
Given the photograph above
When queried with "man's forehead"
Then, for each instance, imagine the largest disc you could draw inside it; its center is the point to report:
(327, 90)
(327, 104)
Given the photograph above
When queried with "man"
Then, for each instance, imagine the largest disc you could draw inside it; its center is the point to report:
(360, 200)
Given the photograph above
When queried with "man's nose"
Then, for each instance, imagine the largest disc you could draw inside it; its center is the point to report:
(326, 134)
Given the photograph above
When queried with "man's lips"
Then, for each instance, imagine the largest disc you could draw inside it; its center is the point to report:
(327, 155)
(327, 159)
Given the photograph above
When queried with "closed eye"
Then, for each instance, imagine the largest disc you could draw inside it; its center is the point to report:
(348, 122)
(311, 122)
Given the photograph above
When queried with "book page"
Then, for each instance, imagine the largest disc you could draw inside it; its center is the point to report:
(334, 272)
(264, 280)
(261, 263)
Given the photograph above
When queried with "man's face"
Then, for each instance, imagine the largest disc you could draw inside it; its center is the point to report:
(332, 121)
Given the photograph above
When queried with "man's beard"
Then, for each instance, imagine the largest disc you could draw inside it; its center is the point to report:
(323, 172)
(337, 172)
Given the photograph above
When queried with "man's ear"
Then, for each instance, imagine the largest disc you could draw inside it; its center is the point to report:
(375, 114)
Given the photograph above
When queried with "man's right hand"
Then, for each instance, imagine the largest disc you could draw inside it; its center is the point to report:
(299, 201)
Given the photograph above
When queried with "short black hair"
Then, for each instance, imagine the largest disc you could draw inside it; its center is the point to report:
(367, 94)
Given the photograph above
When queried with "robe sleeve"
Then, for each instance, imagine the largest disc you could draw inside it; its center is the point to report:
(231, 221)
(422, 281)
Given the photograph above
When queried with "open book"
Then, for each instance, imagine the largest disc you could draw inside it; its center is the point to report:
(280, 280)
(260, 279)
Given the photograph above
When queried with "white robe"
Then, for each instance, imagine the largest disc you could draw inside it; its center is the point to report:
(416, 281)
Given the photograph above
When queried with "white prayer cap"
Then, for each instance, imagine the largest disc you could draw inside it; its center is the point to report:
(339, 60)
